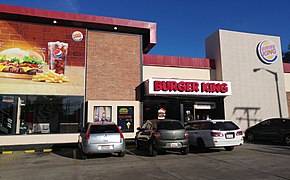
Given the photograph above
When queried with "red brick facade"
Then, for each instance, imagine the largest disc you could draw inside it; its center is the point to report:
(113, 66)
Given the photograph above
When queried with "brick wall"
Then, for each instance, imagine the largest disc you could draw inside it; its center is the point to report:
(113, 66)
(28, 36)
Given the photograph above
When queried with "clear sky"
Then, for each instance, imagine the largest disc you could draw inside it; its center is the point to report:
(183, 25)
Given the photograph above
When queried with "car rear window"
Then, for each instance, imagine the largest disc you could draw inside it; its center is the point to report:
(95, 129)
(169, 125)
(223, 126)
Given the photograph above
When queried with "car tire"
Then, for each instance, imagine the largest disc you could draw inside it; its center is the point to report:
(287, 140)
(83, 155)
(250, 136)
(137, 146)
(229, 148)
(152, 151)
(200, 145)
(185, 151)
(121, 154)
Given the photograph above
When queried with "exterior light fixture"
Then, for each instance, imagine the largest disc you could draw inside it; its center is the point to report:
(54, 22)
(115, 28)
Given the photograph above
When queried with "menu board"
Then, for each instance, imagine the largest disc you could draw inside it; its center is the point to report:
(125, 116)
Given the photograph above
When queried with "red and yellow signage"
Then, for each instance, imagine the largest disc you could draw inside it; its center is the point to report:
(41, 59)
(189, 87)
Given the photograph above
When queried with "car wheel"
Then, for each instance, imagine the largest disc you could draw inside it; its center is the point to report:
(137, 146)
(121, 154)
(250, 136)
(229, 148)
(200, 145)
(185, 151)
(83, 155)
(152, 151)
(287, 140)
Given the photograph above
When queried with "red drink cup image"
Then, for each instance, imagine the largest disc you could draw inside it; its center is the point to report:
(57, 55)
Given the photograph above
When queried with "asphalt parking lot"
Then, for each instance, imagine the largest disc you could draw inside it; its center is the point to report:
(250, 161)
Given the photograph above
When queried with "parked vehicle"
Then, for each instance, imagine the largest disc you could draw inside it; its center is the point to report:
(273, 129)
(161, 135)
(214, 134)
(101, 137)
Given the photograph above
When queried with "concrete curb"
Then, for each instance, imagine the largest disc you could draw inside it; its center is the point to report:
(28, 151)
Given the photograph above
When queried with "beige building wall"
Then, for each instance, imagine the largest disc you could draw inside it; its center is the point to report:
(175, 72)
(38, 139)
(254, 94)
(287, 81)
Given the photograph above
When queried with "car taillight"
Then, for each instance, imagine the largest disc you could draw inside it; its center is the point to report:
(121, 134)
(186, 135)
(216, 134)
(88, 134)
(239, 133)
(157, 135)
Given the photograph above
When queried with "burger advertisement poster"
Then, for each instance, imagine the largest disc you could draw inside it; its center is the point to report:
(41, 59)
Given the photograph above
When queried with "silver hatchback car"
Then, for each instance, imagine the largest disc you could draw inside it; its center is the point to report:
(101, 137)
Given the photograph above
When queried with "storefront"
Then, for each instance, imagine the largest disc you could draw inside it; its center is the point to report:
(184, 99)
(61, 70)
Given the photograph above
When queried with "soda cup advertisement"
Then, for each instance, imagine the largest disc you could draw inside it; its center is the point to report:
(57, 54)
(41, 59)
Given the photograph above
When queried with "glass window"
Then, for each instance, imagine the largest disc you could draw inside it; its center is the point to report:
(40, 114)
(169, 125)
(144, 125)
(266, 123)
(205, 125)
(223, 126)
(102, 113)
(95, 129)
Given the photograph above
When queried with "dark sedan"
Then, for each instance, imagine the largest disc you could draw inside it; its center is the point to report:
(274, 129)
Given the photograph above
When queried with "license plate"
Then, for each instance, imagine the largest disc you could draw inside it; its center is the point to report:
(229, 136)
(105, 147)
(173, 144)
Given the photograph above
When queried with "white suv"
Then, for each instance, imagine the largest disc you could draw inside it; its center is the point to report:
(214, 134)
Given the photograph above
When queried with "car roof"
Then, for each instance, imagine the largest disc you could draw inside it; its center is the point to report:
(211, 120)
(278, 118)
(162, 120)
(102, 123)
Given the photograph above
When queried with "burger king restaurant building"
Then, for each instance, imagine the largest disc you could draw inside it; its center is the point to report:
(60, 70)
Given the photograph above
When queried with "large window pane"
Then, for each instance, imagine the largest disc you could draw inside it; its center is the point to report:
(42, 114)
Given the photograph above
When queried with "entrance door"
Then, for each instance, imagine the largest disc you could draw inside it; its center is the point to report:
(150, 109)
(8, 111)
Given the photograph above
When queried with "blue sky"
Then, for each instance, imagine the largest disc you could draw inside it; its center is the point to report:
(183, 25)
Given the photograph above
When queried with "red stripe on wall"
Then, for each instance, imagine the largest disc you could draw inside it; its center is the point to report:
(178, 61)
(286, 67)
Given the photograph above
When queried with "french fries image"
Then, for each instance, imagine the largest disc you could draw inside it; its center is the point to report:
(50, 77)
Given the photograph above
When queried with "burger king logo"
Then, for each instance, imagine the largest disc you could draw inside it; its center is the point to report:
(267, 51)
(77, 36)
(57, 53)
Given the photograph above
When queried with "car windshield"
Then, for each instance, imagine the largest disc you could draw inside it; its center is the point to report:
(224, 126)
(95, 129)
(169, 125)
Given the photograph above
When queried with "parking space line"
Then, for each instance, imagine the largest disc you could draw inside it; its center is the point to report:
(7, 152)
(47, 150)
(29, 151)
